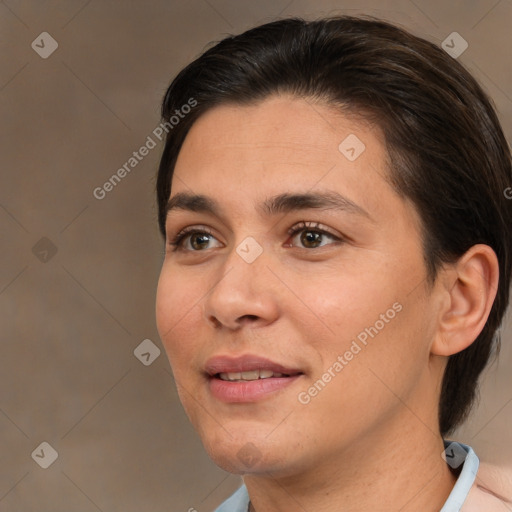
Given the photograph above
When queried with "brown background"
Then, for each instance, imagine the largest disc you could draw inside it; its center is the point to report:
(71, 320)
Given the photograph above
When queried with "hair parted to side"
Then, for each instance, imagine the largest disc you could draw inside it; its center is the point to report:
(447, 151)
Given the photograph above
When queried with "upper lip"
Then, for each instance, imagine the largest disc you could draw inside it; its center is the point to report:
(245, 363)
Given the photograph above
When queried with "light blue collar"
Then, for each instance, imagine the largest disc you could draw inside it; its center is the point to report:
(454, 457)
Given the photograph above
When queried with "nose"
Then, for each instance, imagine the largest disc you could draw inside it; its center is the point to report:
(243, 293)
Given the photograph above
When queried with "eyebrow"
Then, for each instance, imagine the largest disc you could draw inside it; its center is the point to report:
(282, 203)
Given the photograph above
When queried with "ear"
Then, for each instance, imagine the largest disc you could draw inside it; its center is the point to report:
(469, 289)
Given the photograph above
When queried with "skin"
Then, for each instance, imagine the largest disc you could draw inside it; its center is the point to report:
(492, 489)
(369, 440)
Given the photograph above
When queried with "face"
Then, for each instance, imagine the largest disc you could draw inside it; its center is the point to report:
(294, 308)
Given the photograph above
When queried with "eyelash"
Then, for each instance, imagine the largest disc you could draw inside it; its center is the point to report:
(177, 241)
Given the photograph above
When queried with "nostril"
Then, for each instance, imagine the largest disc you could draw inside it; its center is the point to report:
(216, 323)
(248, 318)
(239, 321)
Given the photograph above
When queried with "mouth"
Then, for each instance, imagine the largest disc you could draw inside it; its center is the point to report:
(247, 378)
(251, 375)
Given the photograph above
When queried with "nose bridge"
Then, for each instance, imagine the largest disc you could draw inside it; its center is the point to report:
(244, 264)
(241, 289)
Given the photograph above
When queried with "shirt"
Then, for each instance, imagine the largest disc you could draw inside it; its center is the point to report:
(455, 454)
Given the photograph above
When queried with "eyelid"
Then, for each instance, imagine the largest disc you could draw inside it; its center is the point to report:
(193, 229)
(315, 226)
(177, 240)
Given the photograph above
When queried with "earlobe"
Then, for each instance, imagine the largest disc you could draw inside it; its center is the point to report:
(471, 290)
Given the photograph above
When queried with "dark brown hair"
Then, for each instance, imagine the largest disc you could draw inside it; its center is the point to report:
(447, 151)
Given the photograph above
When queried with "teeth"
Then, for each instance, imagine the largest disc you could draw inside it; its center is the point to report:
(253, 375)
(248, 376)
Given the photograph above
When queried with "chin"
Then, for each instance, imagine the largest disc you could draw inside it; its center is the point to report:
(248, 460)
(237, 457)
(249, 454)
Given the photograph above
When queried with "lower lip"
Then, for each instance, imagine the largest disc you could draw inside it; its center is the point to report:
(249, 391)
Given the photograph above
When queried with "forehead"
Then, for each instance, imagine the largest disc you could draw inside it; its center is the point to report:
(284, 144)
(309, 130)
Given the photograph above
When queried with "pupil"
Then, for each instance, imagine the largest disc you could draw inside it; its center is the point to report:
(198, 237)
(310, 237)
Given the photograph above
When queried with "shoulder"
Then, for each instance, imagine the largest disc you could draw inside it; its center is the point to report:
(491, 490)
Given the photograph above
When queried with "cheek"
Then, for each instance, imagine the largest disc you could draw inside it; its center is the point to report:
(177, 310)
(365, 367)
(374, 323)
(349, 302)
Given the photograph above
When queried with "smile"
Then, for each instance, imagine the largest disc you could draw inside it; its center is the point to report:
(247, 378)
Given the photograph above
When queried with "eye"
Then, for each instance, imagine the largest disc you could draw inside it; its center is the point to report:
(197, 236)
(312, 234)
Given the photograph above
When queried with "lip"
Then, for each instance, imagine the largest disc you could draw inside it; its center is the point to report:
(248, 391)
(245, 363)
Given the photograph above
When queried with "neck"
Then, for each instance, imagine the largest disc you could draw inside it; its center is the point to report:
(379, 471)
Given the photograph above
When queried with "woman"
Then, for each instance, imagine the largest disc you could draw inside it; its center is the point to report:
(337, 264)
